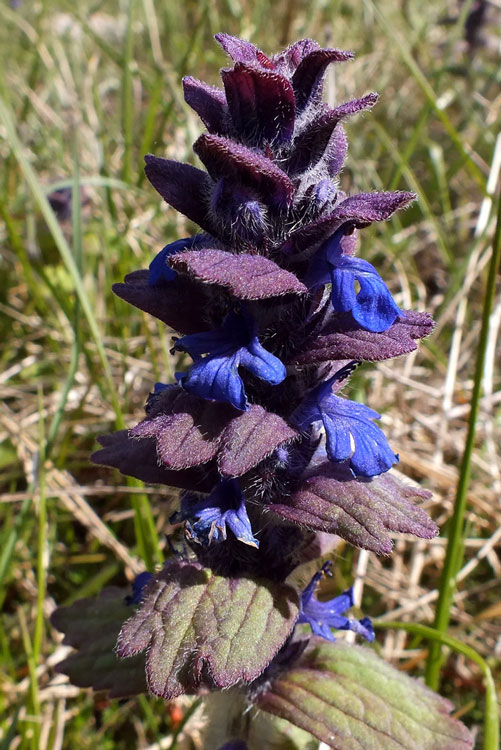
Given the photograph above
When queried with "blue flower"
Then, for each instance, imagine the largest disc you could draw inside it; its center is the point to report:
(372, 306)
(160, 271)
(140, 581)
(351, 436)
(322, 616)
(235, 344)
(209, 518)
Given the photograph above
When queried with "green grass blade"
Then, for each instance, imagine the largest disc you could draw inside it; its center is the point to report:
(64, 250)
(127, 96)
(8, 738)
(415, 185)
(12, 537)
(423, 83)
(75, 349)
(454, 551)
(42, 547)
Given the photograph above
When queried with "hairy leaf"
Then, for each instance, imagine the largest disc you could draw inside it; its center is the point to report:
(261, 102)
(239, 50)
(251, 437)
(138, 458)
(190, 431)
(360, 511)
(357, 210)
(246, 276)
(183, 187)
(352, 700)
(209, 102)
(308, 77)
(311, 143)
(187, 429)
(343, 338)
(204, 631)
(92, 626)
(225, 158)
(165, 301)
(287, 61)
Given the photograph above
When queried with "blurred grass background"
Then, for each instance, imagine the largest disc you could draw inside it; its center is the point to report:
(86, 89)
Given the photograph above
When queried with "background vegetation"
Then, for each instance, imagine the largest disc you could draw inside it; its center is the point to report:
(86, 89)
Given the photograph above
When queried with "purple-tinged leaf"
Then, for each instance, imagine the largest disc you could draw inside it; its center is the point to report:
(348, 109)
(336, 151)
(246, 276)
(226, 158)
(138, 458)
(251, 437)
(308, 76)
(184, 187)
(234, 745)
(204, 631)
(242, 51)
(92, 626)
(166, 301)
(358, 211)
(343, 338)
(312, 142)
(261, 103)
(349, 698)
(188, 430)
(360, 511)
(209, 102)
(287, 61)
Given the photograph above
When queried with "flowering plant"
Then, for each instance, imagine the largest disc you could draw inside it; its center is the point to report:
(276, 311)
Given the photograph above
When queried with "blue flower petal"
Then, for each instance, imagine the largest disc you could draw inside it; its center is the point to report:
(216, 378)
(339, 441)
(364, 628)
(373, 307)
(348, 421)
(262, 363)
(140, 581)
(372, 455)
(350, 433)
(160, 271)
(238, 522)
(214, 342)
(209, 518)
(322, 616)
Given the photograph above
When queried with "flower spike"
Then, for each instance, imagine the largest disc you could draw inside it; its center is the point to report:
(276, 310)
